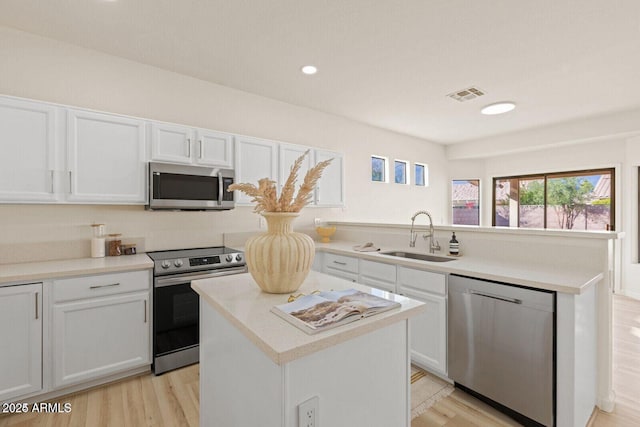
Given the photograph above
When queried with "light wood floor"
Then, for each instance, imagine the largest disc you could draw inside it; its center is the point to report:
(172, 399)
(166, 400)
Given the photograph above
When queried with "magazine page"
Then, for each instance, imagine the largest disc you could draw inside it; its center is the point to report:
(328, 309)
(319, 312)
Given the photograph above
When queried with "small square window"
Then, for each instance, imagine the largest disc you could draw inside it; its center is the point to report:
(378, 169)
(400, 168)
(421, 177)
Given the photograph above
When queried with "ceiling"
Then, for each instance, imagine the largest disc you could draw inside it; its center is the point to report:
(387, 63)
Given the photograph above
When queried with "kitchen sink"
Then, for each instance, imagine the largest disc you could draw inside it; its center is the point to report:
(421, 257)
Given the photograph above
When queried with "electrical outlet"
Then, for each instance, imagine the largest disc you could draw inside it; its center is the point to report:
(261, 222)
(317, 221)
(308, 415)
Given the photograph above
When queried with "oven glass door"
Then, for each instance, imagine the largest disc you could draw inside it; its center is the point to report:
(176, 318)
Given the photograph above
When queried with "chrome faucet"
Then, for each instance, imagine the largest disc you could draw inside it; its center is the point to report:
(414, 234)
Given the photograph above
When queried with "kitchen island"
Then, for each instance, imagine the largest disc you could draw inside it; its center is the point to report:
(256, 368)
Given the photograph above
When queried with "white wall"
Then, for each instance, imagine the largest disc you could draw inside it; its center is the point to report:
(48, 70)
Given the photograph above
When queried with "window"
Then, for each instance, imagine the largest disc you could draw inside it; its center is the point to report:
(378, 169)
(401, 172)
(421, 177)
(465, 201)
(580, 200)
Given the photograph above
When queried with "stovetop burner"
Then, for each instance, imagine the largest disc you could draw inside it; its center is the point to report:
(187, 260)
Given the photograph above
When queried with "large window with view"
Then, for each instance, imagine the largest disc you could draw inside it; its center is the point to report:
(465, 201)
(579, 200)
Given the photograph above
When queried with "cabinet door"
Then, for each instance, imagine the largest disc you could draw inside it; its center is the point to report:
(27, 135)
(330, 189)
(255, 159)
(21, 340)
(105, 158)
(171, 143)
(288, 154)
(214, 148)
(429, 331)
(378, 275)
(101, 336)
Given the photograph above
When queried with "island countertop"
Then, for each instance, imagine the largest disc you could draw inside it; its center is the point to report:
(239, 300)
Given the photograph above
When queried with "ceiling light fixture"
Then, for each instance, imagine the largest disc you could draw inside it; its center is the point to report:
(309, 69)
(498, 108)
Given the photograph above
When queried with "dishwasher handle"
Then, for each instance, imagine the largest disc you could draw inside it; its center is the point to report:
(505, 299)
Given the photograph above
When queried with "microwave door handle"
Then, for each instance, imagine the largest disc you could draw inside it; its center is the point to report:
(220, 188)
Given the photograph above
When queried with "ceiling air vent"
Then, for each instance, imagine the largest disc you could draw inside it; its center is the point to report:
(466, 94)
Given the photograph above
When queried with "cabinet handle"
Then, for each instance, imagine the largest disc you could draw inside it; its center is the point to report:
(501, 298)
(188, 147)
(51, 180)
(36, 305)
(200, 154)
(145, 311)
(103, 286)
(70, 183)
(339, 262)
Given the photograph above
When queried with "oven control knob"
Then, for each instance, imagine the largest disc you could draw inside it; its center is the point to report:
(178, 263)
(229, 258)
(238, 257)
(165, 264)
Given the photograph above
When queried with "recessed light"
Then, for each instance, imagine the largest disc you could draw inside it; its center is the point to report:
(498, 108)
(309, 69)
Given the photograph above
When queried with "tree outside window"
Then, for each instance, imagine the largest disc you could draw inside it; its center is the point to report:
(572, 200)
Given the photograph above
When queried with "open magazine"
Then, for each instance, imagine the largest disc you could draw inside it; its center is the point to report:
(326, 310)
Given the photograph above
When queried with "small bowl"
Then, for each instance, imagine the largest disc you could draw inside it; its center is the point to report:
(325, 233)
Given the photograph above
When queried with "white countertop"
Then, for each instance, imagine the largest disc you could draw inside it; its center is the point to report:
(29, 271)
(239, 299)
(570, 281)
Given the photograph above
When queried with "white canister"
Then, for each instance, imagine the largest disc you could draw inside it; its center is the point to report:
(98, 241)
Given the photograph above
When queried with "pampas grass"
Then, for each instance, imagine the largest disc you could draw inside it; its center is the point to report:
(265, 196)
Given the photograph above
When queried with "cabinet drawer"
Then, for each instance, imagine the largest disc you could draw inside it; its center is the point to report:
(422, 280)
(378, 270)
(340, 262)
(352, 277)
(96, 286)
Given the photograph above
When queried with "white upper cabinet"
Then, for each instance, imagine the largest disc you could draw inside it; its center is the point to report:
(255, 159)
(330, 189)
(289, 153)
(171, 143)
(28, 141)
(182, 144)
(214, 148)
(105, 158)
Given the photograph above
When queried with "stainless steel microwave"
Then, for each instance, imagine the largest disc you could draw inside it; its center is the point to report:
(184, 187)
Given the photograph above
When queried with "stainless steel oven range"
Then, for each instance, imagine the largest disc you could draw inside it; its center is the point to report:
(176, 315)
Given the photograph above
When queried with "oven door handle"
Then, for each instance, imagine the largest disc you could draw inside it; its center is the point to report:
(173, 280)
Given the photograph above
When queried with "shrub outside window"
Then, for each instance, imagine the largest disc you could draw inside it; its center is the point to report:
(579, 200)
(378, 169)
(465, 201)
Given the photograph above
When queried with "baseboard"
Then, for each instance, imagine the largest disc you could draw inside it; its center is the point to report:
(629, 293)
(607, 403)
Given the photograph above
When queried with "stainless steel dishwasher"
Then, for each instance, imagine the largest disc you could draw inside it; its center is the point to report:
(501, 346)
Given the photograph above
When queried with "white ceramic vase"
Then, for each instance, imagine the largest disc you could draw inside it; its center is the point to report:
(280, 259)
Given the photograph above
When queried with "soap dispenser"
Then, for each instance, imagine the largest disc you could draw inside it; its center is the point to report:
(454, 245)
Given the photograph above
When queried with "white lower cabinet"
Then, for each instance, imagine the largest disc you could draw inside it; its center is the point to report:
(378, 275)
(20, 340)
(104, 334)
(429, 329)
(341, 266)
